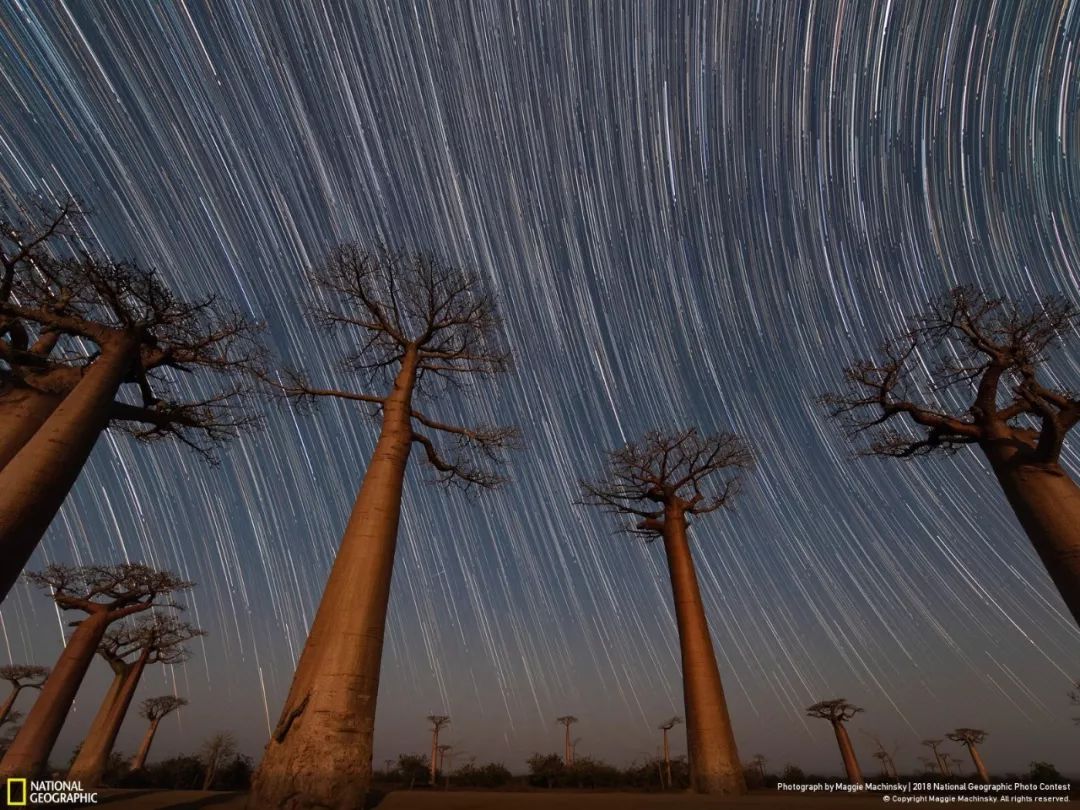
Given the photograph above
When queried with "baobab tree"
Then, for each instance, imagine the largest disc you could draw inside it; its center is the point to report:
(1074, 699)
(758, 761)
(128, 648)
(886, 757)
(939, 758)
(971, 738)
(215, 751)
(665, 727)
(425, 325)
(838, 712)
(566, 721)
(106, 594)
(438, 723)
(154, 709)
(980, 364)
(661, 482)
(103, 343)
(20, 676)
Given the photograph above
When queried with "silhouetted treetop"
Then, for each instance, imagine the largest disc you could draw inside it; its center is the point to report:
(968, 736)
(835, 711)
(161, 635)
(24, 676)
(967, 370)
(669, 470)
(155, 708)
(119, 590)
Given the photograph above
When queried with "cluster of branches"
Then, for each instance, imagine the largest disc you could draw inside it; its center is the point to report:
(664, 470)
(62, 305)
(121, 590)
(985, 352)
(160, 635)
(414, 305)
(835, 711)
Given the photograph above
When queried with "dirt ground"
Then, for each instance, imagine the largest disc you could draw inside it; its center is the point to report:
(495, 800)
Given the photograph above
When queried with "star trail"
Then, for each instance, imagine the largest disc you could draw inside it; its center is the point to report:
(692, 214)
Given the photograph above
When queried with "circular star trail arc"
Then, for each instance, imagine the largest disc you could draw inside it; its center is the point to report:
(693, 213)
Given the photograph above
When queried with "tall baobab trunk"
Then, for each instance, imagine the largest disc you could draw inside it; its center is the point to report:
(34, 484)
(976, 760)
(568, 758)
(1047, 504)
(22, 411)
(89, 766)
(667, 761)
(434, 768)
(9, 701)
(320, 753)
(851, 764)
(714, 759)
(32, 745)
(139, 762)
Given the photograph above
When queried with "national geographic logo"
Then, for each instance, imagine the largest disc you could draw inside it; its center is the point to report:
(25, 792)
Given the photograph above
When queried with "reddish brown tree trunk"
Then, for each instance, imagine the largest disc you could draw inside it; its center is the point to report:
(139, 762)
(30, 750)
(714, 759)
(1047, 504)
(980, 768)
(89, 766)
(434, 754)
(667, 759)
(851, 764)
(22, 411)
(320, 752)
(9, 701)
(34, 484)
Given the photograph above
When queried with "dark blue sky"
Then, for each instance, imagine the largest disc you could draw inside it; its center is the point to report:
(693, 214)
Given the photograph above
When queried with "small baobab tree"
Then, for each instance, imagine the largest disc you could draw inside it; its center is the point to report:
(128, 648)
(154, 710)
(438, 723)
(662, 482)
(940, 762)
(422, 324)
(971, 738)
(665, 727)
(884, 756)
(758, 762)
(566, 721)
(977, 362)
(106, 594)
(20, 676)
(91, 343)
(217, 749)
(838, 712)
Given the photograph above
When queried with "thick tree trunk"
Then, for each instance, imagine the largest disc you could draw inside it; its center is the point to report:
(714, 759)
(9, 702)
(980, 768)
(851, 764)
(320, 753)
(30, 750)
(1047, 504)
(667, 761)
(100, 721)
(34, 484)
(139, 762)
(22, 411)
(434, 755)
(89, 766)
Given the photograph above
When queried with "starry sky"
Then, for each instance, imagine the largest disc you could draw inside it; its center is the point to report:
(693, 214)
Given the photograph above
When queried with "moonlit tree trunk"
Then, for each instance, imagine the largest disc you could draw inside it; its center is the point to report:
(9, 701)
(976, 760)
(714, 759)
(847, 752)
(34, 484)
(30, 750)
(1047, 504)
(22, 411)
(667, 761)
(320, 752)
(139, 762)
(89, 766)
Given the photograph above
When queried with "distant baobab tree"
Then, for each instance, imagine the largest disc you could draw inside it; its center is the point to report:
(80, 331)
(566, 721)
(128, 648)
(661, 482)
(971, 738)
(838, 712)
(984, 357)
(758, 761)
(154, 709)
(438, 723)
(217, 748)
(665, 727)
(20, 676)
(939, 758)
(106, 594)
(884, 756)
(425, 325)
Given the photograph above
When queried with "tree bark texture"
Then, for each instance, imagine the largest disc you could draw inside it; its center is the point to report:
(851, 764)
(139, 762)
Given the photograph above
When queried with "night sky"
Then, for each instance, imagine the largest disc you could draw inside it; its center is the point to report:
(693, 214)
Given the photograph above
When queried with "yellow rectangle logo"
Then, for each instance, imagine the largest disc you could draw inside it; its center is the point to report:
(16, 788)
